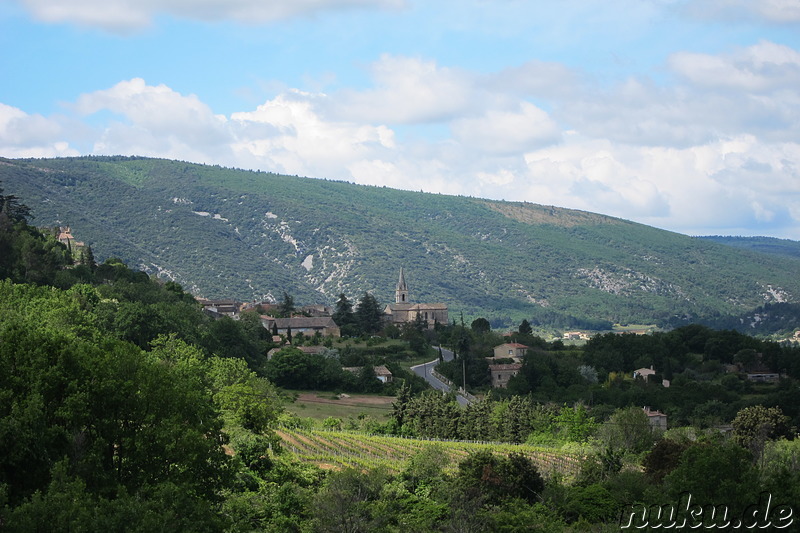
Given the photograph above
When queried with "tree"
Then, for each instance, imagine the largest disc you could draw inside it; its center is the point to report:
(499, 478)
(345, 503)
(745, 357)
(432, 415)
(715, 474)
(250, 400)
(755, 425)
(663, 458)
(11, 207)
(369, 314)
(344, 316)
(780, 468)
(87, 258)
(575, 424)
(525, 327)
(401, 405)
(287, 305)
(481, 326)
(627, 430)
(427, 466)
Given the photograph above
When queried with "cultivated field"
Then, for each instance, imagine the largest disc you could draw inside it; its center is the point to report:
(339, 449)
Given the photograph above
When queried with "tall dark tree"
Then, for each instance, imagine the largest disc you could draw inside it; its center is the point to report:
(369, 314)
(11, 207)
(344, 316)
(287, 305)
(401, 405)
(87, 258)
(525, 327)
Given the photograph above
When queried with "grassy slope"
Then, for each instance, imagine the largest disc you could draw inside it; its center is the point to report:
(502, 260)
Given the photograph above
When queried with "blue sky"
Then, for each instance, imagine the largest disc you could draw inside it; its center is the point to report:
(680, 114)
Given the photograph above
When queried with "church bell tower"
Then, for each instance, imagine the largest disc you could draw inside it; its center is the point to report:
(401, 292)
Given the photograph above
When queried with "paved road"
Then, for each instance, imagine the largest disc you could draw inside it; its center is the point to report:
(425, 370)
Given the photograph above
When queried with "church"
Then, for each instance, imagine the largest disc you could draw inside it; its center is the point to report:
(403, 310)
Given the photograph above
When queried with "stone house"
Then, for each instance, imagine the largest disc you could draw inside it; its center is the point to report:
(511, 350)
(657, 419)
(502, 373)
(306, 325)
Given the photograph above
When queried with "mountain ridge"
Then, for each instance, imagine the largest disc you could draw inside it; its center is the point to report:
(249, 234)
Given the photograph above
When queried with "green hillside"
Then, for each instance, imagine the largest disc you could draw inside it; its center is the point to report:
(767, 245)
(232, 233)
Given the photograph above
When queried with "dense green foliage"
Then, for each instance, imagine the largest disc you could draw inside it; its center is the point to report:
(230, 233)
(767, 245)
(88, 420)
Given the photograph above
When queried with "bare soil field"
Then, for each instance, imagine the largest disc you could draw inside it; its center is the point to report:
(346, 399)
(325, 404)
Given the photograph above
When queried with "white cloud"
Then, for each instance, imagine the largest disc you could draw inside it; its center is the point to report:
(772, 11)
(761, 68)
(128, 15)
(156, 108)
(156, 121)
(24, 135)
(723, 184)
(507, 132)
(752, 90)
(303, 142)
(408, 90)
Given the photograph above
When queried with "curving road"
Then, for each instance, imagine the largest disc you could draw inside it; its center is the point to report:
(425, 370)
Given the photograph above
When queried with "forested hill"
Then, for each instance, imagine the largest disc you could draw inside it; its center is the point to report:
(767, 245)
(231, 233)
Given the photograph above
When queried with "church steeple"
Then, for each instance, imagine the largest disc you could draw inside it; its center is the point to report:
(401, 292)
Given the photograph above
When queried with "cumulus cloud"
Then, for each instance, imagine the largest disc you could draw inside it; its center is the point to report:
(303, 142)
(729, 183)
(408, 90)
(128, 15)
(24, 135)
(157, 121)
(507, 132)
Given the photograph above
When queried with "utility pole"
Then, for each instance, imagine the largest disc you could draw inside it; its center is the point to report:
(463, 376)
